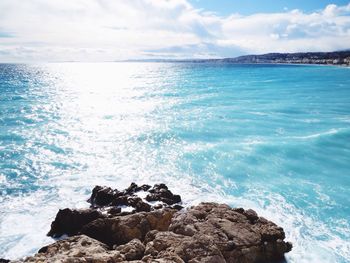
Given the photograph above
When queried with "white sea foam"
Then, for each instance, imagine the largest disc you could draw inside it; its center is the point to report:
(317, 135)
(125, 208)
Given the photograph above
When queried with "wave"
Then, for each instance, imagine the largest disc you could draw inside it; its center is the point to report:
(332, 131)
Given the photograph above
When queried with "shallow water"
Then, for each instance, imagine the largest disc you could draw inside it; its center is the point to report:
(269, 137)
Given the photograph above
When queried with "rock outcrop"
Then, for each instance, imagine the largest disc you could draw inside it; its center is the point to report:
(108, 203)
(70, 221)
(107, 197)
(208, 232)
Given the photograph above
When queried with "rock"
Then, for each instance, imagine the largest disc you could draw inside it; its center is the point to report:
(139, 205)
(251, 215)
(120, 201)
(77, 249)
(107, 202)
(240, 235)
(188, 249)
(177, 207)
(208, 232)
(160, 192)
(113, 211)
(2, 260)
(122, 229)
(133, 250)
(70, 222)
(103, 197)
(166, 258)
(134, 188)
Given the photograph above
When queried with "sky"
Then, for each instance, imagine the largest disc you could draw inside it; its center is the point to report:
(111, 30)
(249, 7)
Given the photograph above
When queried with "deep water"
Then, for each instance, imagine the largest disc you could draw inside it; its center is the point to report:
(269, 137)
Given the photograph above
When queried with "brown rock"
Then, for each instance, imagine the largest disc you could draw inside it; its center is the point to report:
(240, 235)
(189, 249)
(133, 250)
(121, 229)
(208, 232)
(77, 249)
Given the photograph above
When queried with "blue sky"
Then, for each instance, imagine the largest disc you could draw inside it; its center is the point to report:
(248, 7)
(109, 30)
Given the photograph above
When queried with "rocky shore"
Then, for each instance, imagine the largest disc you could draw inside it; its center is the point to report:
(148, 224)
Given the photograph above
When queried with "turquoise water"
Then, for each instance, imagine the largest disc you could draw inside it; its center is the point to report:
(269, 137)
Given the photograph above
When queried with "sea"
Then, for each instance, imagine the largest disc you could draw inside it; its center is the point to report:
(274, 138)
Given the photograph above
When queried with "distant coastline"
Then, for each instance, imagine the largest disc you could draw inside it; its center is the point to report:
(337, 58)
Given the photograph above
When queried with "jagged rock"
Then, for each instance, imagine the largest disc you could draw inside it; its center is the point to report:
(120, 201)
(177, 207)
(208, 232)
(107, 202)
(120, 230)
(134, 188)
(251, 215)
(160, 192)
(2, 260)
(240, 235)
(139, 205)
(77, 249)
(113, 211)
(133, 250)
(103, 197)
(70, 222)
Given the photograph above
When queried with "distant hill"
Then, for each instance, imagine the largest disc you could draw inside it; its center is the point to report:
(326, 58)
(323, 58)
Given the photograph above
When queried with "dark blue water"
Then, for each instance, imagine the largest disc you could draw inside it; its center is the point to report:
(269, 137)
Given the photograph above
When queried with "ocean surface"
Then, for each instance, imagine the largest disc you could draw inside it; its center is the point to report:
(275, 138)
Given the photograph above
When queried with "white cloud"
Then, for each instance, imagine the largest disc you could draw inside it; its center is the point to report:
(109, 30)
(290, 31)
(334, 10)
